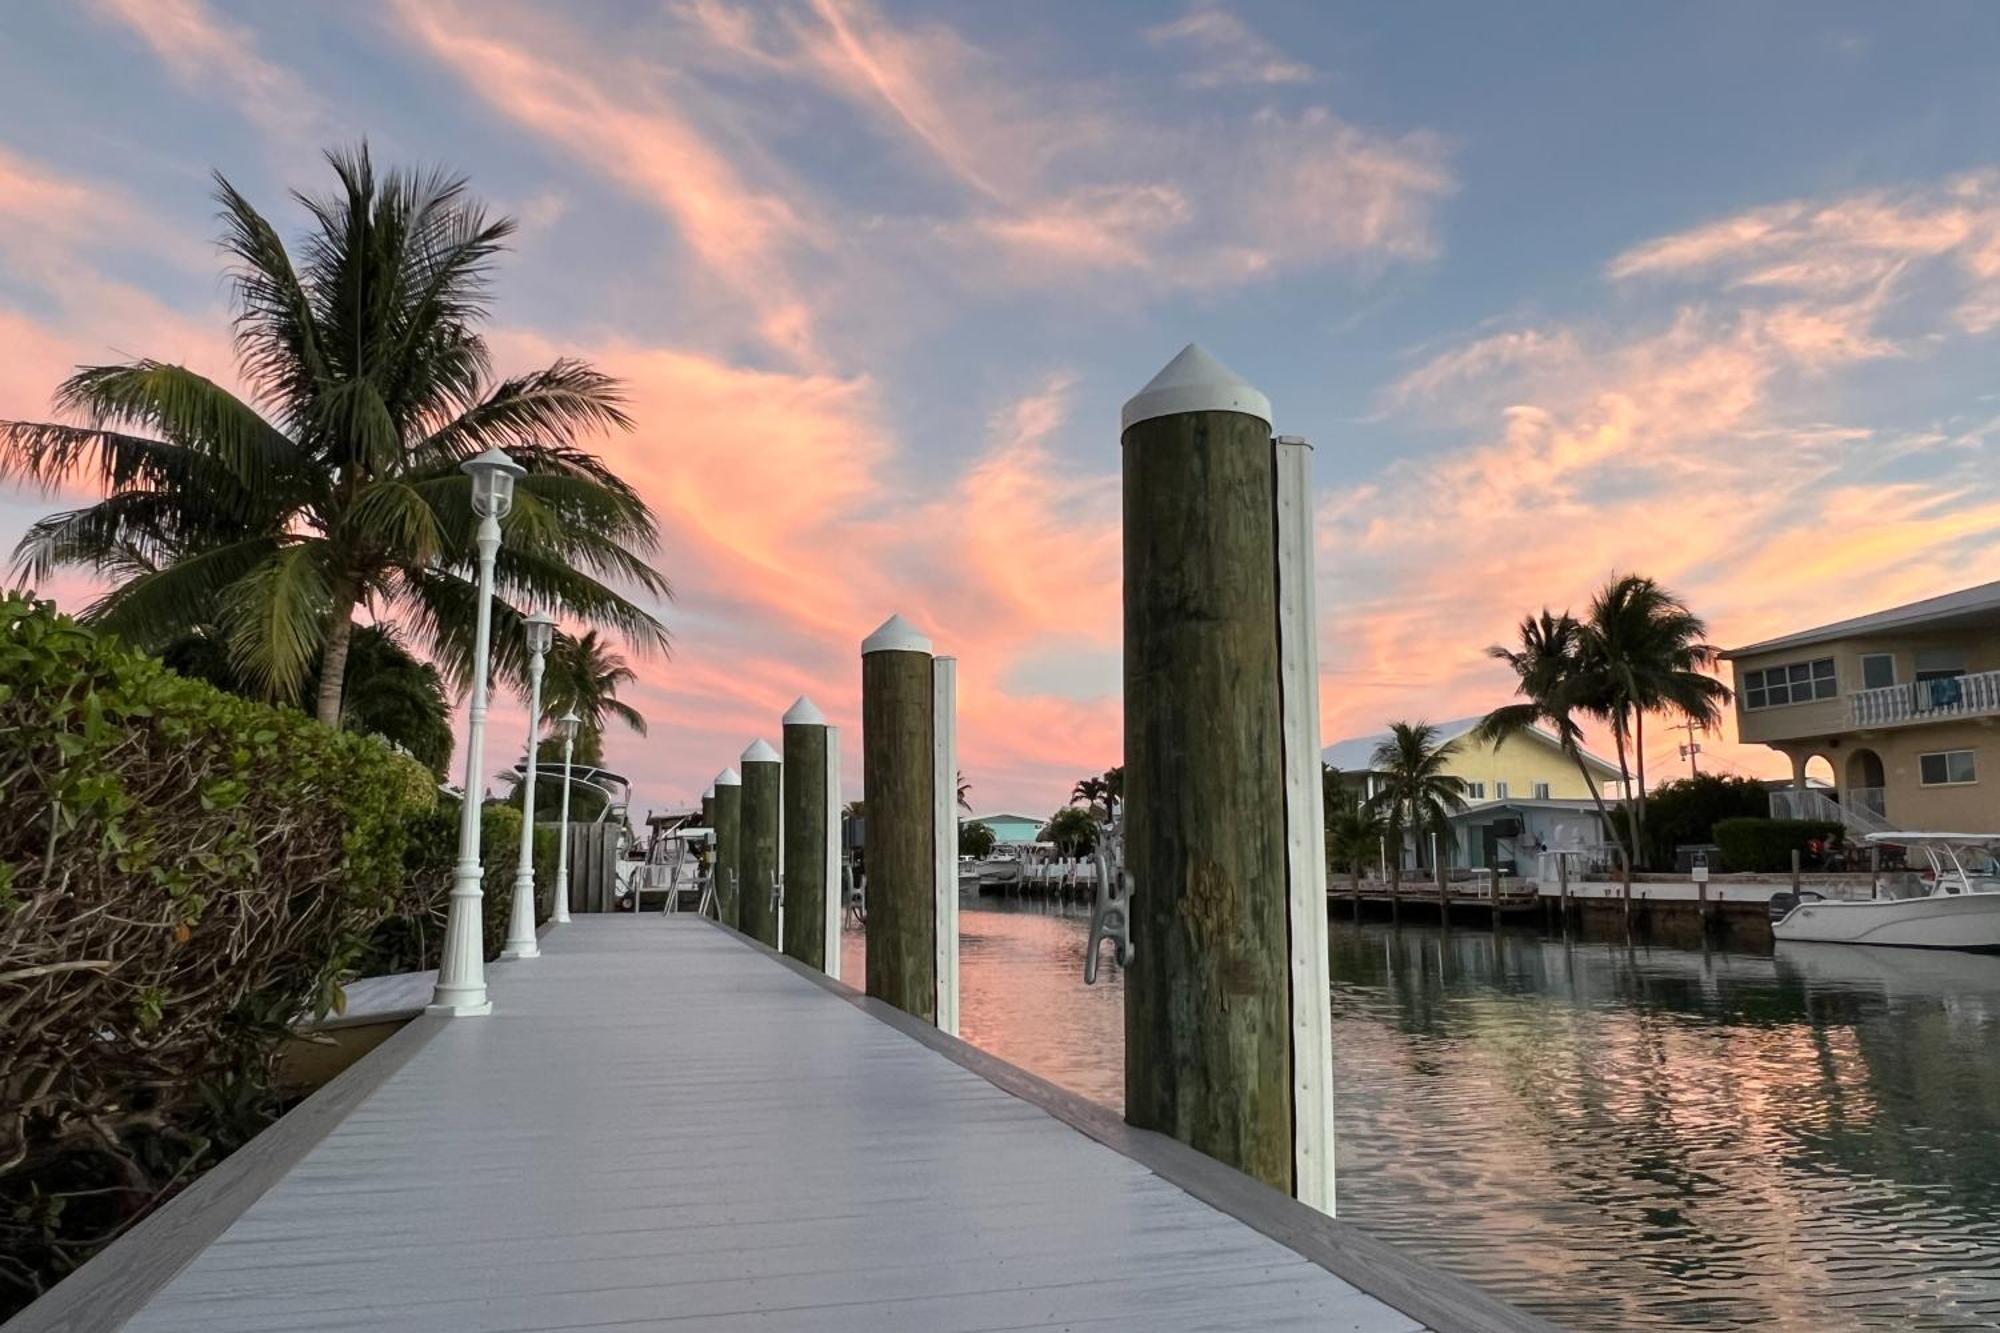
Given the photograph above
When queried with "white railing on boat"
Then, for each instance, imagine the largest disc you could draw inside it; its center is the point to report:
(1975, 695)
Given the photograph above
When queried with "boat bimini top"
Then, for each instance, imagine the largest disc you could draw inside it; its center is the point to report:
(1948, 854)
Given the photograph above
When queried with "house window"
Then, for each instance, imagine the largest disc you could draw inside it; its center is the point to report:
(1475, 791)
(1940, 663)
(1500, 790)
(1797, 683)
(1541, 791)
(1878, 671)
(1947, 768)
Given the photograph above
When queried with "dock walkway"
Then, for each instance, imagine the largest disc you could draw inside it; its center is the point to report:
(663, 1126)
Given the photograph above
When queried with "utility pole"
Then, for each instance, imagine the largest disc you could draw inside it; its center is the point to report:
(1692, 747)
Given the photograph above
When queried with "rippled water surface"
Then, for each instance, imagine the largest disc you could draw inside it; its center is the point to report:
(1618, 1137)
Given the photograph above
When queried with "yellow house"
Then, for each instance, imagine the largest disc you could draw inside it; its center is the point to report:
(1523, 795)
(1904, 704)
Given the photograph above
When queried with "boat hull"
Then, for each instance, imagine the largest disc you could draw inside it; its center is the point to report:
(1967, 921)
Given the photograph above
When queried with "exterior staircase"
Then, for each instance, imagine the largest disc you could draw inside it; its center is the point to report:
(1860, 817)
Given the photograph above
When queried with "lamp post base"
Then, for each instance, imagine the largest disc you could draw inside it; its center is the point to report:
(467, 1008)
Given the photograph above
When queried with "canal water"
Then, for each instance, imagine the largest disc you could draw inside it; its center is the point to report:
(1617, 1137)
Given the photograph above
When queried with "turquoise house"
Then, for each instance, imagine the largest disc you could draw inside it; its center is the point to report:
(1010, 828)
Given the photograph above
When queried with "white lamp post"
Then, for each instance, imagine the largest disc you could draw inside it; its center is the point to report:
(461, 985)
(538, 631)
(566, 726)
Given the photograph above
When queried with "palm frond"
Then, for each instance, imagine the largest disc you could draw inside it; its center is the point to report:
(532, 416)
(277, 345)
(150, 610)
(127, 534)
(187, 409)
(540, 580)
(627, 714)
(275, 618)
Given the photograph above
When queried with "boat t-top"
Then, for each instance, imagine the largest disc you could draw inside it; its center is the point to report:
(1960, 908)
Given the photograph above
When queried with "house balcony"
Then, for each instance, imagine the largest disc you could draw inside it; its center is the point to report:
(1976, 695)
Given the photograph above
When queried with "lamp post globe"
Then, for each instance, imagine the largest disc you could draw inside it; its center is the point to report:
(493, 475)
(461, 984)
(537, 634)
(566, 728)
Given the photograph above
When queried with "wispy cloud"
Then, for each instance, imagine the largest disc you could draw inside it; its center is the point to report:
(1695, 445)
(623, 119)
(209, 55)
(1227, 51)
(1043, 181)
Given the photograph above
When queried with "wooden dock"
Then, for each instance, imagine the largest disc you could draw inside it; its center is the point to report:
(663, 1125)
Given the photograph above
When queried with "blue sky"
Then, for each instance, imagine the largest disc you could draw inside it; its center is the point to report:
(1707, 291)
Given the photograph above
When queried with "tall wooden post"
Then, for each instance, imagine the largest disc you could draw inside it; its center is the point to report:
(911, 963)
(1226, 1010)
(728, 847)
(757, 862)
(812, 838)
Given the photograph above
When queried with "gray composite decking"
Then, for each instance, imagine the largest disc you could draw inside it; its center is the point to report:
(663, 1126)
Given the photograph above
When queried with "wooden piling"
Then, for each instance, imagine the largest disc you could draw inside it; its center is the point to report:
(1796, 878)
(897, 740)
(1207, 1003)
(1562, 880)
(757, 862)
(728, 843)
(812, 839)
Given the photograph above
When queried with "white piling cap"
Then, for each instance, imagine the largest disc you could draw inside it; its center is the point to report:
(803, 713)
(760, 752)
(727, 778)
(895, 635)
(1194, 381)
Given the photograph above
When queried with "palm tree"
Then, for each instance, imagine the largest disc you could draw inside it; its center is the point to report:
(1653, 658)
(964, 792)
(1354, 828)
(583, 676)
(1416, 794)
(1092, 792)
(1073, 831)
(335, 486)
(1558, 677)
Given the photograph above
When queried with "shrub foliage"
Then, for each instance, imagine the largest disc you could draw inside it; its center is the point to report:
(1767, 844)
(410, 937)
(182, 873)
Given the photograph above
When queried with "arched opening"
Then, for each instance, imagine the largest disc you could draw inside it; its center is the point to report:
(1864, 787)
(1820, 776)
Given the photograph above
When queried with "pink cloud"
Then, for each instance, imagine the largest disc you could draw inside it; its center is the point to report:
(1060, 179)
(617, 116)
(1695, 450)
(1228, 51)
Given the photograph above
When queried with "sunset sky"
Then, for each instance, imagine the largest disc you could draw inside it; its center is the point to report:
(1707, 291)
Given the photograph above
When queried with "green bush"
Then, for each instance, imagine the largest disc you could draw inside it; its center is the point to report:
(1686, 810)
(1766, 844)
(182, 873)
(411, 937)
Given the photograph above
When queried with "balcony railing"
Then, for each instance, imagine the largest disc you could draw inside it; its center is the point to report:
(1928, 700)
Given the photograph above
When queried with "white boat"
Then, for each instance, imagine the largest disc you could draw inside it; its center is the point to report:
(1960, 909)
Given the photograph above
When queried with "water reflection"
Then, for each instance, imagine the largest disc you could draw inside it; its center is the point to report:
(1619, 1137)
